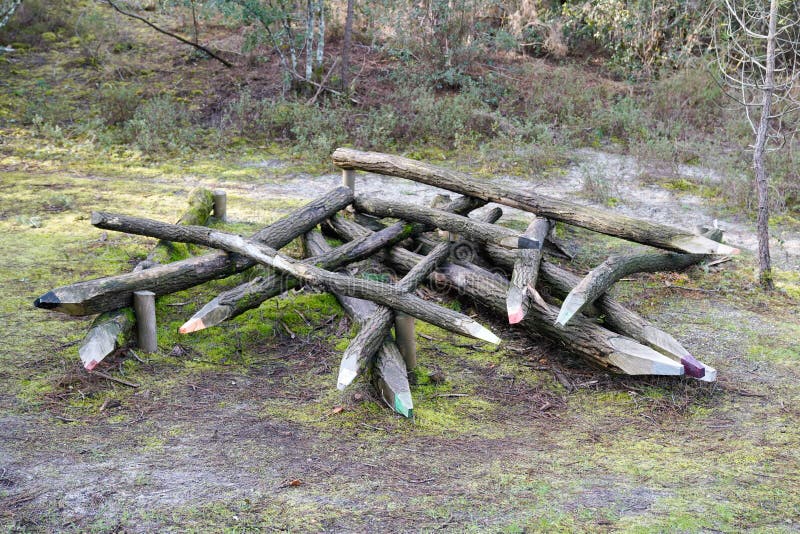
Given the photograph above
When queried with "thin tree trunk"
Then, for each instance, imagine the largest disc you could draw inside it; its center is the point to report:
(762, 187)
(348, 37)
(321, 35)
(310, 8)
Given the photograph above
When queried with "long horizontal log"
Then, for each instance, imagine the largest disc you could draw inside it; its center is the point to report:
(366, 289)
(458, 224)
(109, 293)
(584, 338)
(253, 293)
(605, 222)
(391, 376)
(605, 275)
(111, 329)
(616, 316)
(525, 271)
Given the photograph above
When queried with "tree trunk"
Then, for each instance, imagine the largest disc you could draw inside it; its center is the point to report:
(602, 221)
(348, 37)
(458, 224)
(605, 275)
(365, 289)
(615, 315)
(762, 185)
(109, 293)
(320, 34)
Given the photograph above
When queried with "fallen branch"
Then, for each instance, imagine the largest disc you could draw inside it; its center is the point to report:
(525, 271)
(170, 34)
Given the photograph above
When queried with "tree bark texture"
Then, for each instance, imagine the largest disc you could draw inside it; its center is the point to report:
(385, 294)
(602, 221)
(104, 294)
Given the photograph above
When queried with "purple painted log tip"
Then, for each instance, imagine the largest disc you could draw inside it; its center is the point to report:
(692, 367)
(48, 301)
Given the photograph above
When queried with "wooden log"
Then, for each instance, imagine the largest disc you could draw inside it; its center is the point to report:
(144, 305)
(385, 294)
(377, 327)
(405, 334)
(605, 222)
(525, 271)
(108, 332)
(253, 293)
(602, 277)
(607, 349)
(391, 376)
(349, 179)
(616, 316)
(109, 293)
(110, 329)
(458, 224)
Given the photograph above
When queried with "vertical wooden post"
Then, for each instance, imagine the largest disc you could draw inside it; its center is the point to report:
(349, 178)
(406, 338)
(144, 304)
(220, 204)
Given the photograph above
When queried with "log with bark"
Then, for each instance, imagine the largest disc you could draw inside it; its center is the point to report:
(110, 330)
(583, 337)
(525, 271)
(385, 294)
(391, 376)
(616, 316)
(109, 293)
(252, 294)
(606, 222)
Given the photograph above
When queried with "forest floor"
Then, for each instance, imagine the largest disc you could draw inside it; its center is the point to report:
(241, 427)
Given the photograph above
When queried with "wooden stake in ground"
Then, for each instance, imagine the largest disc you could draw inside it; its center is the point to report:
(526, 269)
(602, 221)
(144, 304)
(366, 289)
(390, 370)
(110, 329)
(109, 293)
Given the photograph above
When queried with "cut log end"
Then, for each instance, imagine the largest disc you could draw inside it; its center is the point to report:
(346, 377)
(514, 305)
(48, 301)
(404, 404)
(479, 331)
(702, 245)
(693, 368)
(572, 305)
(637, 359)
(192, 325)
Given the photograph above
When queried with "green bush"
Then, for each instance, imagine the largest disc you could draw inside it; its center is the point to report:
(161, 125)
(118, 102)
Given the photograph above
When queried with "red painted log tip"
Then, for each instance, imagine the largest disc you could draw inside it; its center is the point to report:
(692, 367)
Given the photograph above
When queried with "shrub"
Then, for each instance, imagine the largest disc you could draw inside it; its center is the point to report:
(118, 102)
(161, 125)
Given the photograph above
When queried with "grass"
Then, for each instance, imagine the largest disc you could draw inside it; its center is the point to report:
(240, 428)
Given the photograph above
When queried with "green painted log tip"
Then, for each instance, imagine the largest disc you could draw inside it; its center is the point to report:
(48, 301)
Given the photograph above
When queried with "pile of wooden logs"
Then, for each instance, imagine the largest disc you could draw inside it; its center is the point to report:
(503, 270)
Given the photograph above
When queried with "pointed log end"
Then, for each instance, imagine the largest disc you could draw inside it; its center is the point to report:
(479, 331)
(404, 404)
(697, 244)
(48, 301)
(516, 316)
(571, 305)
(346, 377)
(633, 358)
(711, 374)
(692, 367)
(91, 365)
(192, 325)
